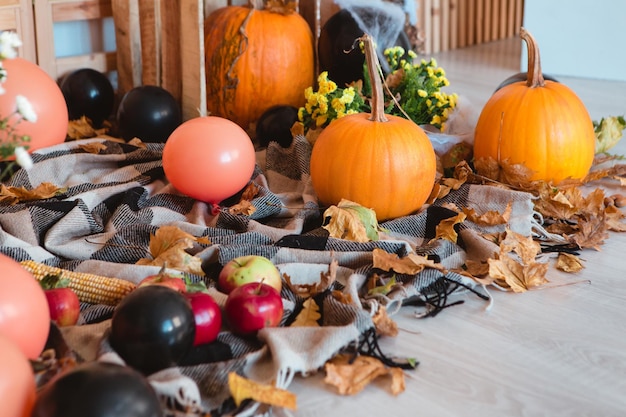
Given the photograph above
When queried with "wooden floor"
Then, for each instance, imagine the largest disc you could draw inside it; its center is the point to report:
(553, 352)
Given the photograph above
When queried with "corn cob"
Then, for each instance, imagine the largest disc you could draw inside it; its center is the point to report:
(89, 288)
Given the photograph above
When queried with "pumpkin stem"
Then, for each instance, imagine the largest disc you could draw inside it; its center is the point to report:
(534, 77)
(373, 68)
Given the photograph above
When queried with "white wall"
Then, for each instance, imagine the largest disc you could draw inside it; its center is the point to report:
(579, 38)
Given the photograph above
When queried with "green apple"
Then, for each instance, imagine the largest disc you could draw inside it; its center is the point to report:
(248, 268)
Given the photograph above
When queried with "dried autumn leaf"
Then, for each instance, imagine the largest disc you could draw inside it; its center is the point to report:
(351, 375)
(410, 264)
(83, 129)
(457, 153)
(508, 272)
(592, 232)
(383, 289)
(243, 389)
(93, 147)
(168, 247)
(445, 228)
(568, 262)
(309, 315)
(385, 325)
(327, 278)
(351, 221)
(489, 218)
(244, 207)
(14, 195)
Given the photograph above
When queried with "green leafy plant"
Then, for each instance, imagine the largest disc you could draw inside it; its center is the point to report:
(414, 91)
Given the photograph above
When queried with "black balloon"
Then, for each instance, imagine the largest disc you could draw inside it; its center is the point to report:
(275, 124)
(98, 389)
(149, 113)
(152, 328)
(88, 93)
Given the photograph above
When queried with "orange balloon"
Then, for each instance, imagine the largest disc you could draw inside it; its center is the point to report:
(29, 80)
(17, 380)
(209, 158)
(24, 313)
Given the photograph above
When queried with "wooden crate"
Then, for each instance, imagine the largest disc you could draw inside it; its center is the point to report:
(49, 12)
(17, 16)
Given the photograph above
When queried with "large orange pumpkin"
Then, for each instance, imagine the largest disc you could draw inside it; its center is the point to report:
(255, 59)
(537, 123)
(383, 162)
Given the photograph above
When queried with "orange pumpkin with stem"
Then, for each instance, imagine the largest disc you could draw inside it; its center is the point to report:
(383, 162)
(256, 58)
(537, 123)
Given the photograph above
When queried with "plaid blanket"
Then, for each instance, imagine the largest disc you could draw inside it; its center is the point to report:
(113, 200)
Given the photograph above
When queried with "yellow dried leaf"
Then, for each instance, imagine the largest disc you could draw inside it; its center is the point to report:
(168, 247)
(445, 228)
(243, 389)
(385, 325)
(244, 207)
(351, 375)
(137, 142)
(568, 262)
(82, 129)
(592, 232)
(14, 195)
(250, 192)
(93, 147)
(489, 218)
(410, 264)
(351, 221)
(327, 278)
(309, 315)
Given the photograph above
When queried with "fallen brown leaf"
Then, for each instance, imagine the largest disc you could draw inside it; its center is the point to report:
(568, 262)
(351, 375)
(243, 388)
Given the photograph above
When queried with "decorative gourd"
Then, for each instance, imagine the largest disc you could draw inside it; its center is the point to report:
(255, 59)
(382, 162)
(540, 124)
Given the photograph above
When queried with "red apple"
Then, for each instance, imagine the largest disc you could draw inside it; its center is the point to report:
(208, 317)
(62, 301)
(165, 279)
(253, 306)
(246, 269)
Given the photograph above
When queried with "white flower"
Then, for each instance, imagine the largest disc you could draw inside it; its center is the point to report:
(9, 42)
(22, 157)
(25, 109)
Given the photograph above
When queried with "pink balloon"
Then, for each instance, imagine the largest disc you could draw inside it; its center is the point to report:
(45, 97)
(209, 158)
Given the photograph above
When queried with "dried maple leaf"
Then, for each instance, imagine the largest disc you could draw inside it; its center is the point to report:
(327, 278)
(489, 218)
(14, 195)
(309, 315)
(351, 221)
(377, 285)
(385, 325)
(568, 262)
(592, 232)
(243, 389)
(351, 375)
(93, 147)
(244, 207)
(445, 228)
(168, 247)
(410, 264)
(83, 129)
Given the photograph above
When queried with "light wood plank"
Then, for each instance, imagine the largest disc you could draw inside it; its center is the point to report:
(63, 11)
(192, 59)
(128, 44)
(171, 75)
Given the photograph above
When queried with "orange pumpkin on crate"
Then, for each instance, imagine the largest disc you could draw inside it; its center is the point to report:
(256, 57)
(538, 123)
(380, 161)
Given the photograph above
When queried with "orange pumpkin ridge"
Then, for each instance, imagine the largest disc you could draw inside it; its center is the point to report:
(256, 59)
(380, 161)
(539, 123)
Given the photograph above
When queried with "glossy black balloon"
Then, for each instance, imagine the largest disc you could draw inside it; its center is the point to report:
(152, 328)
(88, 93)
(522, 76)
(98, 389)
(275, 124)
(149, 113)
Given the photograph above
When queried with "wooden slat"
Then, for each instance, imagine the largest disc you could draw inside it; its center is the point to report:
(472, 32)
(435, 13)
(510, 19)
(519, 15)
(463, 23)
(192, 59)
(171, 77)
(453, 7)
(100, 61)
(150, 34)
(128, 44)
(80, 10)
(444, 30)
(45, 37)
